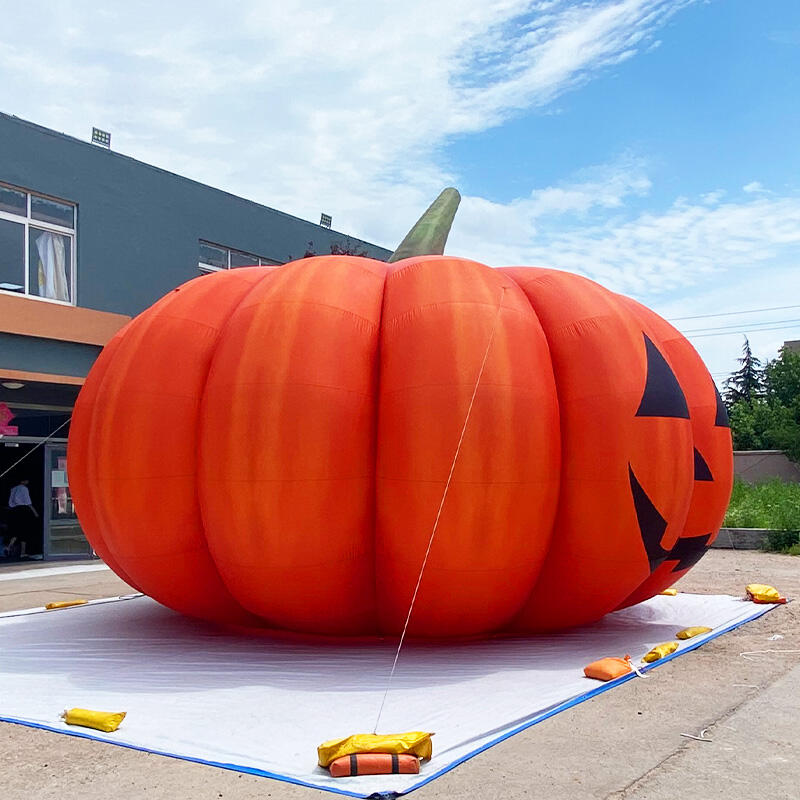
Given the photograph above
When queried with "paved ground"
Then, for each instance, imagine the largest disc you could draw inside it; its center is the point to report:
(622, 745)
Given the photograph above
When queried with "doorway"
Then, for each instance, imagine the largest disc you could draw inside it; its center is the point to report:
(63, 535)
(30, 468)
(56, 533)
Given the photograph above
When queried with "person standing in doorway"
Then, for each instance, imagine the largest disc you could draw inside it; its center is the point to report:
(23, 519)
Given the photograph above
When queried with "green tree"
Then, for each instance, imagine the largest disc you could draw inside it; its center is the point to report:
(769, 419)
(782, 378)
(747, 383)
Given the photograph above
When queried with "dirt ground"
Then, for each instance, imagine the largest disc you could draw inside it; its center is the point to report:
(624, 744)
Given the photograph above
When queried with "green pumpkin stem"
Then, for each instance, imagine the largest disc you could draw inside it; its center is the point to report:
(429, 236)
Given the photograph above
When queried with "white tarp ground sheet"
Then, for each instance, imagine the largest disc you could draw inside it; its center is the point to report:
(263, 704)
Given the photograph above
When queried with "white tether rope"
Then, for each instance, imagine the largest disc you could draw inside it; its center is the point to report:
(439, 512)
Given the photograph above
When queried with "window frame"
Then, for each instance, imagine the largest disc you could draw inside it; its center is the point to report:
(207, 269)
(28, 222)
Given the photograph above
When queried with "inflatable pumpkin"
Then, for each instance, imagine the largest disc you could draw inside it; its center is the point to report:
(270, 447)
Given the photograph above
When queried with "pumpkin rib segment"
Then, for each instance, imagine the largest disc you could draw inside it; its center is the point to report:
(486, 520)
(283, 563)
(709, 499)
(79, 459)
(98, 452)
(188, 585)
(515, 277)
(598, 393)
(238, 614)
(97, 380)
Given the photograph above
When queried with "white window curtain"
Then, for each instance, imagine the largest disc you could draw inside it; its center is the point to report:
(52, 266)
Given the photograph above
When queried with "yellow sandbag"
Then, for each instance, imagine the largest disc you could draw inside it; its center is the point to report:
(65, 604)
(688, 633)
(660, 651)
(670, 592)
(415, 743)
(762, 593)
(107, 721)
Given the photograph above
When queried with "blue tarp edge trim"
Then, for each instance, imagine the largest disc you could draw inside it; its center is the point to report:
(222, 765)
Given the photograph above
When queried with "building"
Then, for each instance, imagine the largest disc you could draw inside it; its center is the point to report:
(88, 239)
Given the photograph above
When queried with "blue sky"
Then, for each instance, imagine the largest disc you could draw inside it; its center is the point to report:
(648, 144)
(715, 104)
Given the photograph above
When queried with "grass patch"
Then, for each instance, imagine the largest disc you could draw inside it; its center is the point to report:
(774, 505)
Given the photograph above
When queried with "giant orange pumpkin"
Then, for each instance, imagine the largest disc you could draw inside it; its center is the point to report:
(269, 447)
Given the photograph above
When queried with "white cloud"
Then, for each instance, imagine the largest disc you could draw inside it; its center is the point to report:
(648, 252)
(310, 106)
(692, 258)
(754, 187)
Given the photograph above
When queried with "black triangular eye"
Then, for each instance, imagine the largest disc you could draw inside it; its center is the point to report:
(651, 524)
(663, 396)
(722, 420)
(701, 470)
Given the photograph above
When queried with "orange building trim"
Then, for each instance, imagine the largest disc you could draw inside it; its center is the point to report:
(42, 377)
(27, 317)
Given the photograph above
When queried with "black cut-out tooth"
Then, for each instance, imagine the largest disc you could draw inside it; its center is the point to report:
(651, 524)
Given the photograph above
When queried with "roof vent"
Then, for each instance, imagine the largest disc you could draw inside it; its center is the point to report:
(103, 138)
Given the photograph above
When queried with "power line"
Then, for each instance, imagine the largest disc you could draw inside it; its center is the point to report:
(734, 313)
(732, 333)
(740, 327)
(38, 445)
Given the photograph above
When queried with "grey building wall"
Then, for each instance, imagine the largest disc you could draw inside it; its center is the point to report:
(741, 538)
(32, 354)
(757, 466)
(139, 226)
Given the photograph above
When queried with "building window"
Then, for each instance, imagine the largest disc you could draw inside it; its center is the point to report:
(37, 245)
(214, 257)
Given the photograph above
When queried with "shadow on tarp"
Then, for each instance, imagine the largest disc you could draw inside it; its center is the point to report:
(143, 643)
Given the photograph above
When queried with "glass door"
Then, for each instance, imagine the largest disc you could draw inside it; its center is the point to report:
(63, 537)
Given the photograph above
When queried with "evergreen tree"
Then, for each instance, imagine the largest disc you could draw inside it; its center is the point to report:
(747, 383)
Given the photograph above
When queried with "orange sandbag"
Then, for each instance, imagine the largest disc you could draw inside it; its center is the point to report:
(374, 764)
(607, 669)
